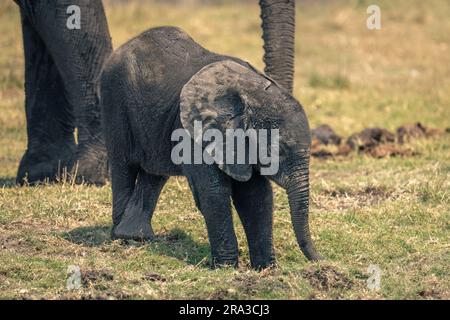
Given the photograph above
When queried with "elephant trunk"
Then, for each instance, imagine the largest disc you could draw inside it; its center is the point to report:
(297, 186)
(278, 24)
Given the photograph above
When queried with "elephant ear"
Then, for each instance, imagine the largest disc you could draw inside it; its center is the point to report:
(220, 96)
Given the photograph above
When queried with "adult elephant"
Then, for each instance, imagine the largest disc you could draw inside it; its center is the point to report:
(62, 64)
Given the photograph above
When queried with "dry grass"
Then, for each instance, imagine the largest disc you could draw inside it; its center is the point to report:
(392, 212)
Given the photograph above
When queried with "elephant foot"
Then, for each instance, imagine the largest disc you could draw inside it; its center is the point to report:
(90, 164)
(45, 164)
(262, 264)
(262, 255)
(133, 232)
(134, 225)
(225, 262)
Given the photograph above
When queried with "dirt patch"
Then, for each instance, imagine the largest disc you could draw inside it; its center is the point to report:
(378, 192)
(107, 295)
(434, 294)
(90, 236)
(326, 278)
(344, 199)
(433, 289)
(16, 242)
(170, 236)
(246, 283)
(154, 277)
(3, 277)
(30, 225)
(219, 294)
(430, 294)
(94, 278)
(10, 243)
(110, 295)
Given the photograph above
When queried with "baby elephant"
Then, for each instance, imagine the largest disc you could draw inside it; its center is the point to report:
(162, 83)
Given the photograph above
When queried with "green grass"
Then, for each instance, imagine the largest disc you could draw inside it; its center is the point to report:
(394, 213)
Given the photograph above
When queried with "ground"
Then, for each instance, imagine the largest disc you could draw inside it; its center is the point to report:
(393, 213)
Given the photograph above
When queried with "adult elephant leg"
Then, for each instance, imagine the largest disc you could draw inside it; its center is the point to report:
(278, 24)
(50, 121)
(79, 55)
(135, 223)
(253, 201)
(212, 191)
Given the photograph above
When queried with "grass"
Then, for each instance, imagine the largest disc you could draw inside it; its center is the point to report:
(394, 213)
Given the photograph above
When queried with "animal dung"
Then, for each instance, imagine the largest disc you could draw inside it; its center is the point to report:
(375, 142)
(324, 134)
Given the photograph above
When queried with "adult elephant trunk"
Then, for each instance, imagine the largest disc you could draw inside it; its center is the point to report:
(297, 186)
(278, 24)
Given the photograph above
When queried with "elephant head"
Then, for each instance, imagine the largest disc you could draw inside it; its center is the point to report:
(230, 95)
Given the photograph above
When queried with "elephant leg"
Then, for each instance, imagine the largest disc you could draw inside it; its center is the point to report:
(253, 201)
(135, 223)
(123, 178)
(50, 120)
(211, 189)
(79, 55)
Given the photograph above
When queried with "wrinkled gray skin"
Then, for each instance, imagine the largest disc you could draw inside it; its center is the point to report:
(61, 66)
(161, 81)
(278, 24)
